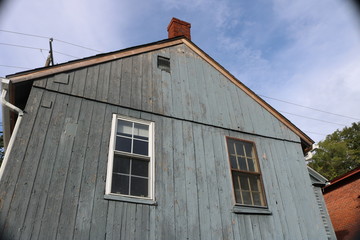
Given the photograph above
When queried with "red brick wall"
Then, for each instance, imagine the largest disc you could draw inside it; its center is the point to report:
(343, 204)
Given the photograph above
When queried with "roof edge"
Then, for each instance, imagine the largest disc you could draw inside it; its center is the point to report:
(92, 60)
(304, 138)
(101, 58)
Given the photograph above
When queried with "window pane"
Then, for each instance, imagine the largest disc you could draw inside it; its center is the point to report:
(139, 187)
(236, 181)
(140, 147)
(141, 131)
(121, 164)
(242, 163)
(244, 183)
(248, 149)
(254, 183)
(124, 128)
(123, 144)
(231, 146)
(139, 168)
(233, 162)
(239, 149)
(246, 197)
(120, 184)
(256, 197)
(251, 165)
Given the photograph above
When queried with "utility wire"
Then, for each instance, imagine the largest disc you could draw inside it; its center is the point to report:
(35, 48)
(66, 54)
(77, 45)
(21, 46)
(315, 133)
(14, 67)
(320, 120)
(315, 109)
(38, 36)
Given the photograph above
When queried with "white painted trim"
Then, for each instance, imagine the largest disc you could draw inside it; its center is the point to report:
(15, 130)
(151, 178)
(111, 155)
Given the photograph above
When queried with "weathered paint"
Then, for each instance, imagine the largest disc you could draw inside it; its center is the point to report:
(53, 187)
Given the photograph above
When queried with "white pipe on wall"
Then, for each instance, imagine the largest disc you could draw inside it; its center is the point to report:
(16, 128)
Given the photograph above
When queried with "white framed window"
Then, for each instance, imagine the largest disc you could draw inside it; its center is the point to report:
(130, 171)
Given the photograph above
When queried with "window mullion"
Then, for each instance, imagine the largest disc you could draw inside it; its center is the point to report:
(251, 192)
(246, 160)
(130, 170)
(240, 190)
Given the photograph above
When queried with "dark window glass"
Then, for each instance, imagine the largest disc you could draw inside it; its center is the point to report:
(256, 197)
(248, 149)
(242, 163)
(123, 144)
(254, 183)
(233, 162)
(121, 164)
(140, 147)
(247, 197)
(140, 168)
(251, 165)
(120, 184)
(239, 149)
(231, 146)
(139, 187)
(244, 183)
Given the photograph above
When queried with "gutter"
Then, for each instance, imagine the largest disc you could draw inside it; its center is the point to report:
(5, 83)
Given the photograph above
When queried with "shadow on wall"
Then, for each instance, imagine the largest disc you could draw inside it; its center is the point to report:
(341, 234)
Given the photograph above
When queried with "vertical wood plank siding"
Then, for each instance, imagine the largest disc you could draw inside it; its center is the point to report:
(193, 90)
(53, 187)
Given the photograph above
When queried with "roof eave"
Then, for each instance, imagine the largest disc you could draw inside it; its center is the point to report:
(306, 141)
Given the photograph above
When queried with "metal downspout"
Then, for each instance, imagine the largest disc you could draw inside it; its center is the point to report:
(16, 128)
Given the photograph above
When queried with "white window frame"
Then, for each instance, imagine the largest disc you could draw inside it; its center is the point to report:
(151, 177)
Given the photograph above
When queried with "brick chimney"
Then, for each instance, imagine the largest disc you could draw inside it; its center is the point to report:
(179, 28)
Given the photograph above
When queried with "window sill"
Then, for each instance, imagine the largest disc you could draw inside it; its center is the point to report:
(130, 199)
(251, 210)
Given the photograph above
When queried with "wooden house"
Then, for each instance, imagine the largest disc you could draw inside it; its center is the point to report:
(157, 141)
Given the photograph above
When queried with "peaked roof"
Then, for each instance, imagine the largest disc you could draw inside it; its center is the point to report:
(101, 58)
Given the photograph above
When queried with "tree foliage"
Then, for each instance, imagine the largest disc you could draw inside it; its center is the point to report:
(338, 153)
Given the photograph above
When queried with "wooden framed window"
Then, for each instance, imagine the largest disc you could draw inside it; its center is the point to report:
(246, 175)
(130, 170)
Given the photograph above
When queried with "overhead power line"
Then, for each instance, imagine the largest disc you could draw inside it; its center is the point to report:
(315, 109)
(315, 133)
(36, 48)
(320, 120)
(14, 67)
(22, 46)
(55, 39)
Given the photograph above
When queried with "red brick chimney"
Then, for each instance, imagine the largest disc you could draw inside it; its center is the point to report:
(179, 28)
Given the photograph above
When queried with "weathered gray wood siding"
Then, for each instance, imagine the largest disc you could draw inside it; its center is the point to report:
(53, 186)
(193, 90)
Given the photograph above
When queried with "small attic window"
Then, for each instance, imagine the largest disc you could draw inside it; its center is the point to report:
(163, 63)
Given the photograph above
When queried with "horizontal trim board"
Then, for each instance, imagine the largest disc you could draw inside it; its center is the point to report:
(130, 199)
(171, 117)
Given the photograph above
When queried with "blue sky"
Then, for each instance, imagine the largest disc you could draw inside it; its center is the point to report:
(300, 51)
